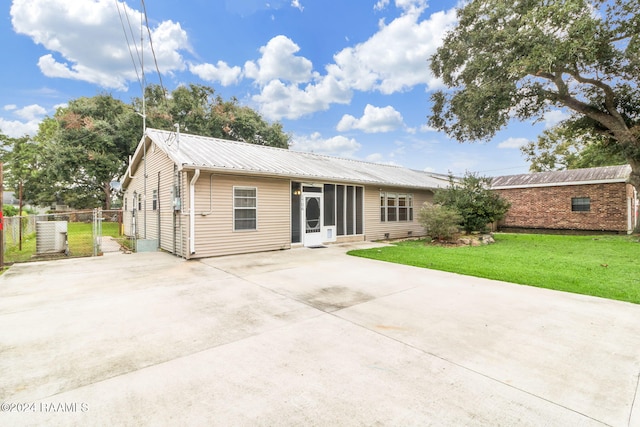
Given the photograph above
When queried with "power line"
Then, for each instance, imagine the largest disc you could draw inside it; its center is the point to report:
(124, 30)
(153, 52)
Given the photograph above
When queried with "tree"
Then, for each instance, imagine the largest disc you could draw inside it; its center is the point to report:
(472, 197)
(85, 146)
(76, 154)
(566, 147)
(198, 111)
(520, 59)
(439, 222)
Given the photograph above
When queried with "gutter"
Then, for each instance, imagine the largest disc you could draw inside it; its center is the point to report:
(192, 212)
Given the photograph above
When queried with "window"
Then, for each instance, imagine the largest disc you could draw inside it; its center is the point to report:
(139, 202)
(244, 208)
(580, 204)
(396, 207)
(154, 200)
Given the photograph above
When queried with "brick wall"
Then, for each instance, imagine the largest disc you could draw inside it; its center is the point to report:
(550, 207)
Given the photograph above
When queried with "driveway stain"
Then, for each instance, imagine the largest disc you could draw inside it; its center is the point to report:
(335, 298)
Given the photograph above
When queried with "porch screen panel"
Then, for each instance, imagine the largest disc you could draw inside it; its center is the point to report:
(329, 204)
(350, 209)
(340, 210)
(359, 210)
(295, 212)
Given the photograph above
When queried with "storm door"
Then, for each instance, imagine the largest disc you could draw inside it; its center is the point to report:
(312, 219)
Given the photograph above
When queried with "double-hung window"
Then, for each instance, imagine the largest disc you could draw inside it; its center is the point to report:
(396, 207)
(245, 205)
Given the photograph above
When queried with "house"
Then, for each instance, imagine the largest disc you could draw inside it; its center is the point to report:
(593, 199)
(198, 197)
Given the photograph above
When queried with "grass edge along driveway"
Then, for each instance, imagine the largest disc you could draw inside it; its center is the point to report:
(605, 266)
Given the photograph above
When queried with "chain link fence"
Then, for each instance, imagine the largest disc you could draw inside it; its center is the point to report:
(61, 235)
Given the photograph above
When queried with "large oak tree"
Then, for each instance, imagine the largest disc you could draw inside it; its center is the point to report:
(521, 58)
(85, 146)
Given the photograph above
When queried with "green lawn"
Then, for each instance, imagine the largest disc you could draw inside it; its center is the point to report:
(80, 238)
(604, 266)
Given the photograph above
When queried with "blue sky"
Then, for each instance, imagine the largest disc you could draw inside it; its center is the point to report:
(345, 78)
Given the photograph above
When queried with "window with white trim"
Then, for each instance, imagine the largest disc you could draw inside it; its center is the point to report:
(396, 207)
(245, 208)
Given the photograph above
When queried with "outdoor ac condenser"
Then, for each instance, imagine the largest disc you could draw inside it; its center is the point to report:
(51, 236)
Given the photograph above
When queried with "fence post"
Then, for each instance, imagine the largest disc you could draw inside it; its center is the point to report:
(97, 231)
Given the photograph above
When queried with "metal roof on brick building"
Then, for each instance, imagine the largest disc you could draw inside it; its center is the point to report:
(220, 155)
(606, 174)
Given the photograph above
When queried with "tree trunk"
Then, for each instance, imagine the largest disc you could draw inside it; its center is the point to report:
(634, 178)
(107, 195)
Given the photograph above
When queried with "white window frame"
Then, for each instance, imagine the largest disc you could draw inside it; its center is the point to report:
(384, 206)
(245, 208)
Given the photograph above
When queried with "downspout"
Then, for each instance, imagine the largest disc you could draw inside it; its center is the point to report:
(192, 212)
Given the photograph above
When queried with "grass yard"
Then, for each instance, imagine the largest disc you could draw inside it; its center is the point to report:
(603, 266)
(80, 238)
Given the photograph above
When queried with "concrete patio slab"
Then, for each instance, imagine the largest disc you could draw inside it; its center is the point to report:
(306, 336)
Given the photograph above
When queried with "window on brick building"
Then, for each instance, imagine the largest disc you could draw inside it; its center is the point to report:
(580, 204)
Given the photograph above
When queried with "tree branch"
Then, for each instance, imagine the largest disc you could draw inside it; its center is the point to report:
(609, 94)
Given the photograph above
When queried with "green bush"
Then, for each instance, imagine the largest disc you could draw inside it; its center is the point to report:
(439, 222)
(472, 197)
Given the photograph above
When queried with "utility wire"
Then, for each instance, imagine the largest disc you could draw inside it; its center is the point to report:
(124, 30)
(153, 52)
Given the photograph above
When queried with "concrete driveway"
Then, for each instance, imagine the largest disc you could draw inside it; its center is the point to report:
(306, 337)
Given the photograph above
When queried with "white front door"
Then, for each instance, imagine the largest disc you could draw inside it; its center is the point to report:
(312, 220)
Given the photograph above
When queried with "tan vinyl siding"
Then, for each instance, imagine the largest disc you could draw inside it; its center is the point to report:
(376, 229)
(157, 162)
(214, 231)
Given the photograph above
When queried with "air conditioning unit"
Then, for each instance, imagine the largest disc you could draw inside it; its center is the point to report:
(51, 236)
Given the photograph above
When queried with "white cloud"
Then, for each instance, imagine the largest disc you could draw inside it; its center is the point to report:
(29, 119)
(278, 100)
(17, 129)
(427, 128)
(381, 4)
(392, 60)
(278, 62)
(297, 5)
(31, 112)
(513, 143)
(396, 57)
(553, 117)
(374, 120)
(27, 122)
(339, 146)
(87, 43)
(221, 72)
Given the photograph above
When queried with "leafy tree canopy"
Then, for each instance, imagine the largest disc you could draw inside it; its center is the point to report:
(566, 146)
(472, 197)
(85, 146)
(199, 111)
(519, 59)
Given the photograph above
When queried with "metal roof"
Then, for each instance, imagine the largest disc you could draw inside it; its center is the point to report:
(606, 174)
(199, 152)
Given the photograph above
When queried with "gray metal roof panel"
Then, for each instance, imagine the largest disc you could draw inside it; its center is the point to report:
(194, 151)
(565, 177)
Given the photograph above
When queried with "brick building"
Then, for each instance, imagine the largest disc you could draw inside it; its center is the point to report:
(593, 199)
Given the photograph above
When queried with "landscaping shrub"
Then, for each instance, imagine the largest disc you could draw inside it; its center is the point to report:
(439, 222)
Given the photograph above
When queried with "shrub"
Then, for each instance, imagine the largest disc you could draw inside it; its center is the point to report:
(472, 197)
(439, 222)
